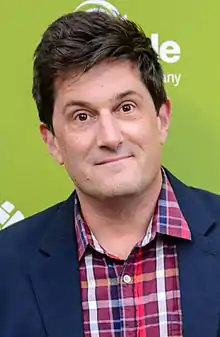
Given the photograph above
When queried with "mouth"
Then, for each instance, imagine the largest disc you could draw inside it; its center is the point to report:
(113, 160)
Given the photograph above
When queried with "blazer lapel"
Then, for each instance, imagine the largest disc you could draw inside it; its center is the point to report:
(56, 280)
(197, 266)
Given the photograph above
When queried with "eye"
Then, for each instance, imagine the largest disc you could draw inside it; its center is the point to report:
(127, 107)
(82, 116)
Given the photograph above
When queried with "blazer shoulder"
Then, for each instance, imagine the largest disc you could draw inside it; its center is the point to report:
(211, 200)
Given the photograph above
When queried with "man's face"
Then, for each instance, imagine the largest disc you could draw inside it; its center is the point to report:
(107, 132)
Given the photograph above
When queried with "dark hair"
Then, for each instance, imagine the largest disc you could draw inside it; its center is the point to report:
(77, 41)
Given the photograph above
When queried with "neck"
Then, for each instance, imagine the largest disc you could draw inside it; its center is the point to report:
(119, 223)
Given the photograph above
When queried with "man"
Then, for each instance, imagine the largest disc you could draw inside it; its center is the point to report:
(133, 252)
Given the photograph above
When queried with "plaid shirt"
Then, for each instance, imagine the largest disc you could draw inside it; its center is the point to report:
(138, 297)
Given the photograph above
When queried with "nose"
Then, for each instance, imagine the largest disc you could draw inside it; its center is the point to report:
(109, 134)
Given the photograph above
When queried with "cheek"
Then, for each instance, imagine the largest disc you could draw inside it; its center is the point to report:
(74, 149)
(145, 134)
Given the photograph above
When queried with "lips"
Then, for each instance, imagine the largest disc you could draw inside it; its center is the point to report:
(112, 160)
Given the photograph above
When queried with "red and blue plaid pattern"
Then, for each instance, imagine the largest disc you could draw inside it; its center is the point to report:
(138, 297)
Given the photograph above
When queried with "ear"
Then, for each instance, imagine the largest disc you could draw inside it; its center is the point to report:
(52, 144)
(163, 120)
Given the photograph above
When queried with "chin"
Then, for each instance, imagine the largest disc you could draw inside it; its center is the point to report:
(119, 190)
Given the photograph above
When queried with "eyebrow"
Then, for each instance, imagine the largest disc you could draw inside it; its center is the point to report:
(127, 93)
(88, 105)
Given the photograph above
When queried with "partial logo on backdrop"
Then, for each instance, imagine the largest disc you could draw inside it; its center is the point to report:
(9, 214)
(98, 5)
(169, 51)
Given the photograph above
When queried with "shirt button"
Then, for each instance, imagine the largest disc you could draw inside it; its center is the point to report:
(127, 279)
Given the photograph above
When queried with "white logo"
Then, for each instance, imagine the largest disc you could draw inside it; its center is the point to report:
(9, 215)
(169, 51)
(98, 5)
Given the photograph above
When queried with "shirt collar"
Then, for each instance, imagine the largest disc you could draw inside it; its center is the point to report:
(167, 220)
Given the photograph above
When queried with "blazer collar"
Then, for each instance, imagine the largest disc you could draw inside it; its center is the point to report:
(193, 207)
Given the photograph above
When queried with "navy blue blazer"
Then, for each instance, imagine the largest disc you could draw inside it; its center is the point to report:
(39, 277)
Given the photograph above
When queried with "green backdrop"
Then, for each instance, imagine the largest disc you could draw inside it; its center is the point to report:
(29, 177)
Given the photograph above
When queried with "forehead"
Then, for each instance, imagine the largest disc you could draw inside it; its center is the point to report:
(100, 83)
